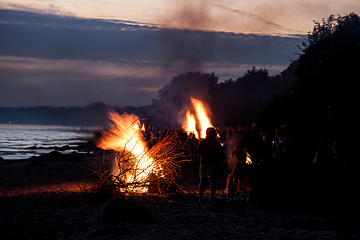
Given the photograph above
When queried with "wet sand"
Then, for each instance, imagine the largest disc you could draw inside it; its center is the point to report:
(44, 201)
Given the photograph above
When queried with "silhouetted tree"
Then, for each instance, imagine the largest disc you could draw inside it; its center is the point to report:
(329, 76)
(233, 102)
(321, 116)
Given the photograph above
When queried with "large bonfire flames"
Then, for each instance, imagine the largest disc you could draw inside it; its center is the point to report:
(136, 166)
(125, 137)
(201, 122)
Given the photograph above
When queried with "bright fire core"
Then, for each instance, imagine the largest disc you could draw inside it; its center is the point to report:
(125, 135)
(199, 123)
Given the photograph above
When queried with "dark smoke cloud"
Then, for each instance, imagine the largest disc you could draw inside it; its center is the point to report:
(184, 51)
(187, 49)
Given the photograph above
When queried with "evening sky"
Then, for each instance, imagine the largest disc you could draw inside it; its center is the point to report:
(73, 53)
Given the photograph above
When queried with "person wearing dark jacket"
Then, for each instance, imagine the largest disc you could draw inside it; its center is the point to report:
(210, 152)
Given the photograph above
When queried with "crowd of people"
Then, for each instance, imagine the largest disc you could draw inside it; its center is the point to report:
(225, 152)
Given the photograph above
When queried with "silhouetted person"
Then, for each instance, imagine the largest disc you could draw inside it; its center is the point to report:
(190, 146)
(210, 152)
(236, 170)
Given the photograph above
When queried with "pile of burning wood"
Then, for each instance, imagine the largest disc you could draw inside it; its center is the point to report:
(138, 168)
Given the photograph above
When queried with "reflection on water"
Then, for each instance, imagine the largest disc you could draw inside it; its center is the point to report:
(24, 141)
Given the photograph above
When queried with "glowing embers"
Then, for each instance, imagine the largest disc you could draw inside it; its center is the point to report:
(136, 167)
(199, 123)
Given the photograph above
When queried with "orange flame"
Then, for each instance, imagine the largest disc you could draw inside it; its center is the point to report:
(190, 124)
(202, 120)
(125, 134)
(202, 116)
(143, 127)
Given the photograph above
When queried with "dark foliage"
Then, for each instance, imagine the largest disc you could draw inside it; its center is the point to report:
(321, 120)
(233, 102)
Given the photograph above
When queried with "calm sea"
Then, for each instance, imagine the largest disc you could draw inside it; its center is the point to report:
(19, 141)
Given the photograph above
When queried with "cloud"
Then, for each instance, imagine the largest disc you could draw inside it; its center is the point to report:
(56, 60)
(34, 81)
(71, 69)
(52, 37)
(57, 82)
(30, 7)
(260, 20)
(295, 14)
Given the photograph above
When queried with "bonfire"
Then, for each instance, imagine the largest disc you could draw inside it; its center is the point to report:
(137, 167)
(198, 120)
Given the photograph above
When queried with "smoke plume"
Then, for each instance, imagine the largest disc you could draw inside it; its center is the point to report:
(187, 39)
(187, 44)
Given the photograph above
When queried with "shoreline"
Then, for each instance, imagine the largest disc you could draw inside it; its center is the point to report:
(20, 142)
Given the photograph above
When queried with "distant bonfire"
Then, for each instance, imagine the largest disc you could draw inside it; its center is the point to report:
(198, 123)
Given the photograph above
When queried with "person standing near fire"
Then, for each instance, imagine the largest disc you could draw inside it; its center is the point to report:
(210, 152)
(236, 163)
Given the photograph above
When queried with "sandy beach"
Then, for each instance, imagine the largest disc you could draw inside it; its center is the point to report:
(45, 200)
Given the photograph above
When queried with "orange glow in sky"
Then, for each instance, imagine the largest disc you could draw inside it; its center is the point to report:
(261, 16)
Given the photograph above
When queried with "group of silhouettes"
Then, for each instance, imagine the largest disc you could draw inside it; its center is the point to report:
(211, 153)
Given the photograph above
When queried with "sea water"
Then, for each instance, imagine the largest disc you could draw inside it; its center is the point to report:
(23, 141)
